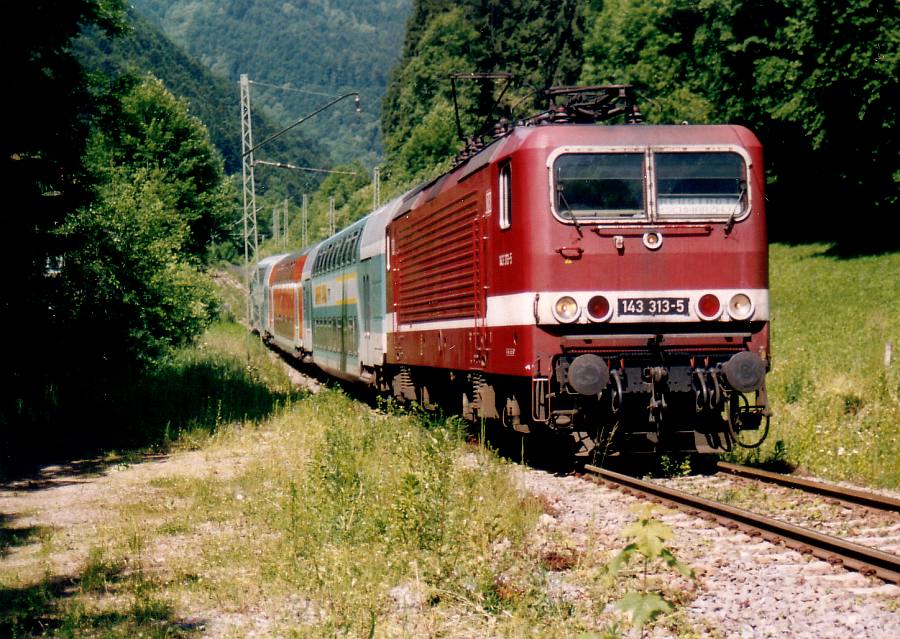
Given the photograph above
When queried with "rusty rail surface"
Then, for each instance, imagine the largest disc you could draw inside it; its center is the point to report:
(867, 561)
(862, 498)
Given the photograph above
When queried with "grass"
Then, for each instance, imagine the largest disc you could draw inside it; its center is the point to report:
(316, 516)
(836, 406)
(359, 517)
(227, 380)
(226, 376)
(311, 516)
(326, 519)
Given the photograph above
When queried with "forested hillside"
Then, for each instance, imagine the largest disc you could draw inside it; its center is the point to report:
(539, 42)
(818, 82)
(325, 46)
(142, 48)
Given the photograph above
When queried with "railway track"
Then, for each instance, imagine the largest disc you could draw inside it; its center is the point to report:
(862, 498)
(866, 560)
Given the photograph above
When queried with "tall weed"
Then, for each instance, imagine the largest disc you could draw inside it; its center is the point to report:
(359, 517)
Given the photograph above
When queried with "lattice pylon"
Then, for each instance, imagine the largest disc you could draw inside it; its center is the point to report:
(251, 233)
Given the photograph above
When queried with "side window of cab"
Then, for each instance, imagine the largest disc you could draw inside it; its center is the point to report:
(505, 196)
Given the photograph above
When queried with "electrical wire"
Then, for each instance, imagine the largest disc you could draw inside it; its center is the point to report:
(292, 89)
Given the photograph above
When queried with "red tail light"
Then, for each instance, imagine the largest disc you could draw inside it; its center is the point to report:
(598, 308)
(708, 307)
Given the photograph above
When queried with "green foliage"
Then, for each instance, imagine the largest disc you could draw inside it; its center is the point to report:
(147, 127)
(226, 378)
(817, 82)
(420, 96)
(116, 207)
(649, 536)
(643, 607)
(649, 45)
(143, 49)
(538, 42)
(835, 405)
(133, 291)
(349, 506)
(674, 465)
(41, 160)
(352, 192)
(129, 293)
(324, 50)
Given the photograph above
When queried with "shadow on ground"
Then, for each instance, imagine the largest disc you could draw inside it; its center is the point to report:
(12, 536)
(78, 424)
(50, 608)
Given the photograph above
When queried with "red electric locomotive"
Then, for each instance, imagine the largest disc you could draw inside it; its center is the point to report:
(606, 281)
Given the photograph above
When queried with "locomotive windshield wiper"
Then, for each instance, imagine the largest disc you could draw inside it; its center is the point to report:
(572, 216)
(737, 207)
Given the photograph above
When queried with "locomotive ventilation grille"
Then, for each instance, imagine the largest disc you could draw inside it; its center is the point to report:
(437, 267)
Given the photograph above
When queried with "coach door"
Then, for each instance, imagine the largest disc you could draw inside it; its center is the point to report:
(366, 312)
(344, 327)
(306, 331)
(371, 312)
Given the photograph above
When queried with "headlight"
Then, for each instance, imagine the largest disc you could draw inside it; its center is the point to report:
(598, 308)
(740, 307)
(708, 307)
(566, 309)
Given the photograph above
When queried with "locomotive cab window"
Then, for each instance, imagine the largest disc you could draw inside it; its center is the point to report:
(599, 186)
(700, 185)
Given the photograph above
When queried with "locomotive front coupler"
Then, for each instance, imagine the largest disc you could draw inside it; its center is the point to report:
(655, 377)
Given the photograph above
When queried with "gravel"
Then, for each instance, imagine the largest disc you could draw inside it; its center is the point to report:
(746, 587)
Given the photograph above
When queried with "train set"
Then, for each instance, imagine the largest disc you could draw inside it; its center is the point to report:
(605, 282)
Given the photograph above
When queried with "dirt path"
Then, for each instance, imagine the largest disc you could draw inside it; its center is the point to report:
(52, 518)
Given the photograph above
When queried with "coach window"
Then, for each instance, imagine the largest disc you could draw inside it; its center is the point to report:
(329, 260)
(599, 186)
(335, 254)
(700, 185)
(345, 251)
(505, 196)
(348, 250)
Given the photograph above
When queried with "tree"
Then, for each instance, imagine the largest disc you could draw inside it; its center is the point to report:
(539, 43)
(420, 93)
(116, 271)
(143, 125)
(817, 82)
(48, 116)
(132, 289)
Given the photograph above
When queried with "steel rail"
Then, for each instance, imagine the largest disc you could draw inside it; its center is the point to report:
(851, 495)
(867, 561)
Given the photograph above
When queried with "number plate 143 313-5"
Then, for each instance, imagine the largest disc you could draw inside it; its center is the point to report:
(653, 306)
